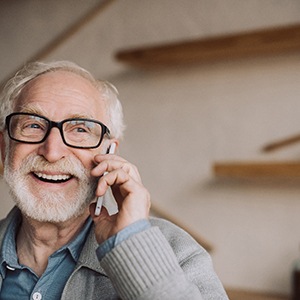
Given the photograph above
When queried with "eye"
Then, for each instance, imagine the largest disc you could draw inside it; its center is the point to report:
(78, 126)
(33, 126)
(32, 123)
(80, 129)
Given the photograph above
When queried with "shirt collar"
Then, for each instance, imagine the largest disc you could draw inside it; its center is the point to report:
(76, 245)
(8, 254)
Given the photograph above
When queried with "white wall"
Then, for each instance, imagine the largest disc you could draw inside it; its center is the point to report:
(180, 121)
(180, 124)
(26, 27)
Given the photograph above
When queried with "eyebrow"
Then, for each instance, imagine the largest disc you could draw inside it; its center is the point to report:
(38, 111)
(80, 116)
(32, 110)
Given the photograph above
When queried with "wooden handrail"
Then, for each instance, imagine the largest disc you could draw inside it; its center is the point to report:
(245, 44)
(281, 143)
(283, 169)
(238, 294)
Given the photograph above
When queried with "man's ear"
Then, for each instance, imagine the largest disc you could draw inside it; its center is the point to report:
(2, 146)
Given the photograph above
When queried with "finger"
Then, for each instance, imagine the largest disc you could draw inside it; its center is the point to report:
(109, 165)
(102, 161)
(100, 157)
(92, 208)
(116, 177)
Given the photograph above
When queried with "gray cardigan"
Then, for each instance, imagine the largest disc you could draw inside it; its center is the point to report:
(163, 263)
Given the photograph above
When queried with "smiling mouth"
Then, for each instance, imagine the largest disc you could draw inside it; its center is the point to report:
(52, 178)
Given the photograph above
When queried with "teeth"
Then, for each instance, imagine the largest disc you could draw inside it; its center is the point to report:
(53, 177)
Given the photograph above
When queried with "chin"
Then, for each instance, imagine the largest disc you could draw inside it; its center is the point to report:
(54, 207)
(59, 208)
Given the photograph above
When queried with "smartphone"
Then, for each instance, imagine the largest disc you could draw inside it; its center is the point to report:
(99, 203)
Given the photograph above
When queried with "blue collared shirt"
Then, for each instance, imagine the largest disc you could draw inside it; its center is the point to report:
(20, 282)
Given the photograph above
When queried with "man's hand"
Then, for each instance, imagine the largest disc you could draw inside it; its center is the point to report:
(132, 197)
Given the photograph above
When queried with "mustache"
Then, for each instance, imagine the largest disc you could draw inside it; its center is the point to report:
(68, 165)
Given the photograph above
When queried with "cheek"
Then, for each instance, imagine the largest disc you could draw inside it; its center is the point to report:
(87, 158)
(89, 165)
(17, 152)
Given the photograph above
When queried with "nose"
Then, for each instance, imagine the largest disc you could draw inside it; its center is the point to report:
(53, 148)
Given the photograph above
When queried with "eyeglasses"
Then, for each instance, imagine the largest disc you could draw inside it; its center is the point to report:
(75, 132)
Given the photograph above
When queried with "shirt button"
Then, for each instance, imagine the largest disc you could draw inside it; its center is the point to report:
(37, 296)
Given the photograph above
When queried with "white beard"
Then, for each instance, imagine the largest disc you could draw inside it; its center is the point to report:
(43, 205)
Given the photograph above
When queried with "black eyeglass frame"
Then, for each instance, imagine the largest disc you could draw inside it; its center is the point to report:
(59, 125)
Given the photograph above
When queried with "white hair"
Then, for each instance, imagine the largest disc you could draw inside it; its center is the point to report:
(107, 91)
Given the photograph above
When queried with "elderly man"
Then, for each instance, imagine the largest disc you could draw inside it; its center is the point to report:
(58, 127)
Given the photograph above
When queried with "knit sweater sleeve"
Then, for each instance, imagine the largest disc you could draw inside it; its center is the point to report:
(162, 262)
